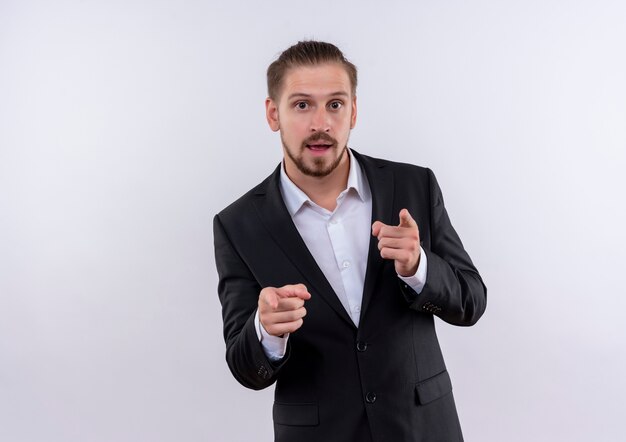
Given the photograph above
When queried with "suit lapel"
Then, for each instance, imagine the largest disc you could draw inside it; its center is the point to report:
(381, 184)
(278, 222)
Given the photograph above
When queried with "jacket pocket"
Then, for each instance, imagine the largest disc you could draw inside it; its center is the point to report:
(296, 414)
(433, 388)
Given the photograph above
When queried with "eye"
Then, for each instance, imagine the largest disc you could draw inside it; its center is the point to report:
(302, 105)
(336, 105)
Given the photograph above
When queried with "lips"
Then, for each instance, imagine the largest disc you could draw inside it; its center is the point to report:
(318, 146)
(319, 143)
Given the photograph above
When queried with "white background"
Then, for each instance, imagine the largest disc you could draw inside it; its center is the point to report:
(126, 125)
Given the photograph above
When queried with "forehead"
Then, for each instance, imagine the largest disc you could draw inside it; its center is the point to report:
(323, 79)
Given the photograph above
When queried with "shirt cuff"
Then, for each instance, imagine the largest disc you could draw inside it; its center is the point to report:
(274, 347)
(417, 281)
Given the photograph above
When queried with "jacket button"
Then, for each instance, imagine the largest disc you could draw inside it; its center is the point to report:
(370, 397)
(262, 371)
(361, 346)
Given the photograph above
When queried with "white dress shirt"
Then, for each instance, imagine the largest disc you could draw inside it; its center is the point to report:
(339, 243)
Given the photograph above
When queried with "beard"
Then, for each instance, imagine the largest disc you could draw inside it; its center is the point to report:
(320, 167)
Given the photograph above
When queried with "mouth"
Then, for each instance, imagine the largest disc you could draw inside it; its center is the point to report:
(319, 147)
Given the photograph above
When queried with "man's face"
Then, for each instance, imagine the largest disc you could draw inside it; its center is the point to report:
(314, 113)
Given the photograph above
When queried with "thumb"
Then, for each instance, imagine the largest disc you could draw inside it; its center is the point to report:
(271, 298)
(406, 220)
(376, 227)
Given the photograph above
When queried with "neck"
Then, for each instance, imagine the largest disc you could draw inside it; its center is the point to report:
(323, 191)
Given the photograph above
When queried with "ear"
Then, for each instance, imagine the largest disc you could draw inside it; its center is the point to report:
(271, 113)
(353, 118)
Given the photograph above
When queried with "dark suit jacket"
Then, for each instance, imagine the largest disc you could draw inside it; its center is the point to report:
(383, 381)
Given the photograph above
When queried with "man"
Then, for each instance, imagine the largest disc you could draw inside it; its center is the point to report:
(332, 269)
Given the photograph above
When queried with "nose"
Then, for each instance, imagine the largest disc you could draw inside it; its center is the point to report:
(320, 121)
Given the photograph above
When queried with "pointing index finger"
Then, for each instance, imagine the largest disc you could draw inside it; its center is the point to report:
(294, 290)
(406, 220)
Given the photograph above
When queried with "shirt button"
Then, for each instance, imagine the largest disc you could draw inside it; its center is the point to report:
(370, 397)
(346, 264)
(357, 309)
(333, 221)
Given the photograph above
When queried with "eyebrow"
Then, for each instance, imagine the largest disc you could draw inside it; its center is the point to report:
(303, 95)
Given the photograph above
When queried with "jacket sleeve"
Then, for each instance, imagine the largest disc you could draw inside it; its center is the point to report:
(454, 290)
(238, 292)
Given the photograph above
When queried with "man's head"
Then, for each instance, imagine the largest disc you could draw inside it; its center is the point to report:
(312, 103)
(306, 53)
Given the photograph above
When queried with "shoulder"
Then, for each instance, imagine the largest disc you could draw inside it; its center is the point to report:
(243, 204)
(400, 169)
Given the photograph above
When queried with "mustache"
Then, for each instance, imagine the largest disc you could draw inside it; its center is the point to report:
(319, 136)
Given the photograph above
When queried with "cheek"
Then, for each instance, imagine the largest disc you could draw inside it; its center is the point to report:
(343, 124)
(294, 125)
(343, 120)
(294, 133)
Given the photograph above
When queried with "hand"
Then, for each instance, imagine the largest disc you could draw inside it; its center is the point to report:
(281, 309)
(401, 243)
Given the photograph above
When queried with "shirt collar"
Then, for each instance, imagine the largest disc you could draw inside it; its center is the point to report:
(295, 198)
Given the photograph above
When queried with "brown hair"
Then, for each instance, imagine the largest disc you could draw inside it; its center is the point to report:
(306, 53)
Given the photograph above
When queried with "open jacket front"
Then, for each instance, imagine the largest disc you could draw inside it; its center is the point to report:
(383, 381)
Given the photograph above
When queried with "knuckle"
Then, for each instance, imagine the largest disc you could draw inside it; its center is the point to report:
(291, 303)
